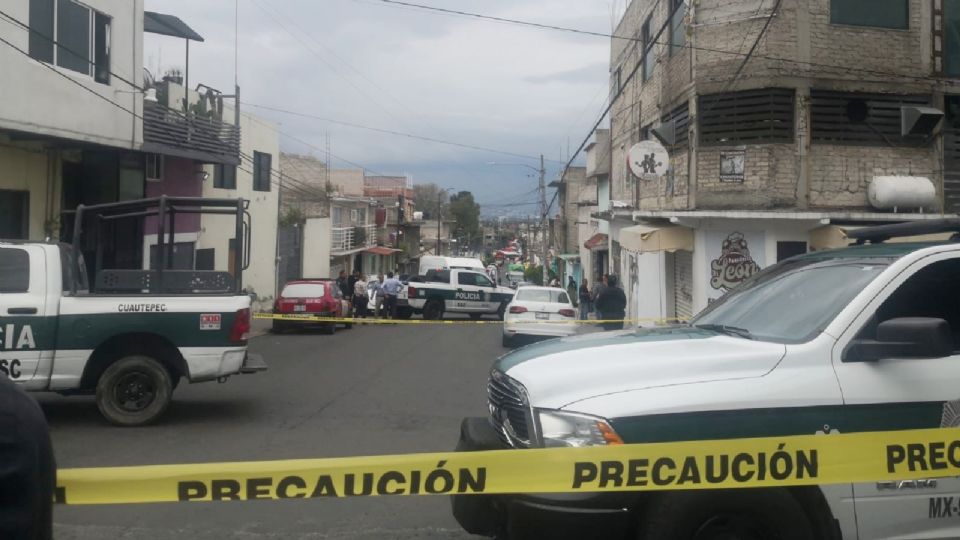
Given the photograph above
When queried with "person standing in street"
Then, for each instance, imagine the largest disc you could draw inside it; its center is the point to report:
(597, 289)
(391, 290)
(585, 300)
(572, 291)
(28, 473)
(612, 305)
(360, 297)
(344, 285)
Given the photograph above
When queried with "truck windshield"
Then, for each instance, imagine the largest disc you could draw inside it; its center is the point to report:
(793, 301)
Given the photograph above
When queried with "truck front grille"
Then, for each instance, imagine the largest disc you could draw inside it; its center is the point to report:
(509, 410)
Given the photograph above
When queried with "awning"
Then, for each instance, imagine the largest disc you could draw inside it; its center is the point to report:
(168, 25)
(835, 236)
(597, 241)
(645, 239)
(380, 250)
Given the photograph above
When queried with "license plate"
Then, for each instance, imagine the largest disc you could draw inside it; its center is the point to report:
(300, 308)
(543, 316)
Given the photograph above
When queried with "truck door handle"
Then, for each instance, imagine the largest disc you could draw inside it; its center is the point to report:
(22, 311)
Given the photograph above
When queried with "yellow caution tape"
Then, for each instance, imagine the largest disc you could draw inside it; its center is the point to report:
(736, 463)
(358, 320)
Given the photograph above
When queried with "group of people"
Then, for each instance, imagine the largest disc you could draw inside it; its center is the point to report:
(606, 299)
(358, 290)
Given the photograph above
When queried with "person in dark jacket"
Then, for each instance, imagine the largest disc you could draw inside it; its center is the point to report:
(586, 299)
(28, 474)
(612, 305)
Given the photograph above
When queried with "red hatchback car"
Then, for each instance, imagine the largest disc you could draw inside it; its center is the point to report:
(309, 298)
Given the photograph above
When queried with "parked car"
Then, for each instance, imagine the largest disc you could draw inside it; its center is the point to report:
(538, 312)
(310, 298)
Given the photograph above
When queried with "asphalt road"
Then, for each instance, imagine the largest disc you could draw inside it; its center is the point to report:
(365, 391)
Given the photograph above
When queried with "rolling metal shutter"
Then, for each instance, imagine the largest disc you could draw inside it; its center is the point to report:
(683, 283)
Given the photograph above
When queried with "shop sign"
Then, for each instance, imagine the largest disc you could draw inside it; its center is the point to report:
(735, 261)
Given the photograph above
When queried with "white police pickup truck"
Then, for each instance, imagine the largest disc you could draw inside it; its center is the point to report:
(457, 291)
(861, 339)
(130, 336)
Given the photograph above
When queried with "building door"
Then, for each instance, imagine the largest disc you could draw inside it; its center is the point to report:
(14, 214)
(683, 284)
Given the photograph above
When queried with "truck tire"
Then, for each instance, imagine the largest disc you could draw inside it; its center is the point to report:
(745, 514)
(433, 310)
(134, 391)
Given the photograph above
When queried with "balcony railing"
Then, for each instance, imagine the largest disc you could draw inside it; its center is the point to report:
(175, 133)
(346, 239)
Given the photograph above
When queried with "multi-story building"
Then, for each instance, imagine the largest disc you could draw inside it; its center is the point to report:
(784, 118)
(82, 124)
(573, 188)
(592, 231)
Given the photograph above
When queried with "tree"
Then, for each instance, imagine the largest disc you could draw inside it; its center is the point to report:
(467, 213)
(425, 200)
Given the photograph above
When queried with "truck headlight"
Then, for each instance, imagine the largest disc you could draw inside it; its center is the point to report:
(560, 429)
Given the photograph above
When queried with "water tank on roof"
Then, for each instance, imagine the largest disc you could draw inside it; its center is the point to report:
(902, 193)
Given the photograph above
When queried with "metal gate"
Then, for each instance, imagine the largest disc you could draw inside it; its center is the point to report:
(951, 170)
(683, 284)
(290, 239)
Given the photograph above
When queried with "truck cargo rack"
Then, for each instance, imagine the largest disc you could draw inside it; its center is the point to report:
(163, 279)
(882, 233)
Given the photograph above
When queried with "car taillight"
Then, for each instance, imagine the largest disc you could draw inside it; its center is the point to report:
(518, 309)
(240, 330)
(568, 313)
(411, 291)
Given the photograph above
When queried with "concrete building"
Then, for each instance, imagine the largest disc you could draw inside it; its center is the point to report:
(573, 188)
(592, 231)
(770, 147)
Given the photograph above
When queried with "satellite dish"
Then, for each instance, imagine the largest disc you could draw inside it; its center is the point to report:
(648, 160)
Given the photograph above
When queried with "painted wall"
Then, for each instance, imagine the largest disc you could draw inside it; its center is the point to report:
(181, 178)
(260, 278)
(23, 167)
(45, 99)
(316, 247)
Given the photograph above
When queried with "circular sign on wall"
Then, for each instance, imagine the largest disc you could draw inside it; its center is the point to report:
(648, 160)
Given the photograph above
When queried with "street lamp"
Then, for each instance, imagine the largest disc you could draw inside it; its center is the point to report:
(543, 207)
(439, 200)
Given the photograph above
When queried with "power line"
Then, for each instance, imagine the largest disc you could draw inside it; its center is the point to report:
(531, 24)
(392, 132)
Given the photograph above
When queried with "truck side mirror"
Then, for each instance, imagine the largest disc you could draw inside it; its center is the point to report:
(904, 337)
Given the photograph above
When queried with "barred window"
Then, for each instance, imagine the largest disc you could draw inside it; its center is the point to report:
(681, 118)
(761, 116)
(857, 118)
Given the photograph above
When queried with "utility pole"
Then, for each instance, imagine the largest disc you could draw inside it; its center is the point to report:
(439, 198)
(543, 217)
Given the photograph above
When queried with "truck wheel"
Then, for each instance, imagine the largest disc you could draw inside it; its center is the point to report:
(134, 391)
(433, 310)
(744, 514)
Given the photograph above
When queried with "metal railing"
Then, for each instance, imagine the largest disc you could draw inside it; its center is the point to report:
(351, 238)
(189, 133)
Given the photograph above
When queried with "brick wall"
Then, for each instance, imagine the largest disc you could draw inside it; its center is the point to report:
(839, 174)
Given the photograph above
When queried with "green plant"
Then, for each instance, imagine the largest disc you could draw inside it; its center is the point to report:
(293, 216)
(359, 236)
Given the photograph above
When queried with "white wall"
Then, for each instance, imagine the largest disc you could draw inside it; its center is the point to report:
(316, 247)
(256, 135)
(34, 99)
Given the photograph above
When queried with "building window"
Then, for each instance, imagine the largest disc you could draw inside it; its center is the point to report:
(14, 270)
(182, 256)
(951, 38)
(761, 116)
(647, 40)
(879, 13)
(14, 214)
(861, 119)
(681, 119)
(615, 82)
(81, 36)
(154, 167)
(224, 176)
(261, 171)
(678, 33)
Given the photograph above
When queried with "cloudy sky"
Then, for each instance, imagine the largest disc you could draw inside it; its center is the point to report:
(480, 83)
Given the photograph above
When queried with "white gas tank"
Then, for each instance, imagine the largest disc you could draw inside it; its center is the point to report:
(902, 193)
